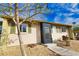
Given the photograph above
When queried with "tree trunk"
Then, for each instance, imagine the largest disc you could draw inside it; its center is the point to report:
(18, 28)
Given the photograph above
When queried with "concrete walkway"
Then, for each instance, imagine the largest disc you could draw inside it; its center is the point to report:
(62, 51)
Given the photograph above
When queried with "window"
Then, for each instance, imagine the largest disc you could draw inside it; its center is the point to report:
(63, 29)
(23, 27)
(58, 29)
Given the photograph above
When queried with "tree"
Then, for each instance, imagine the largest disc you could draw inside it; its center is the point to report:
(18, 26)
(25, 11)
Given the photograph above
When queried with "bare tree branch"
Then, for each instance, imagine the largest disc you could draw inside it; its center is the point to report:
(10, 10)
(3, 5)
(14, 20)
(18, 28)
(29, 17)
(25, 6)
(5, 13)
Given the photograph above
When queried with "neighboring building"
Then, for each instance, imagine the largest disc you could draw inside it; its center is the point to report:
(76, 31)
(33, 31)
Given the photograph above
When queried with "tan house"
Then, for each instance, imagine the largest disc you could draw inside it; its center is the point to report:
(33, 31)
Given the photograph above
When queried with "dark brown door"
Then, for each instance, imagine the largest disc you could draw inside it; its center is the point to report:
(46, 33)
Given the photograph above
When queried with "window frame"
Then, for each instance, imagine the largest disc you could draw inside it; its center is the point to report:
(58, 29)
(63, 29)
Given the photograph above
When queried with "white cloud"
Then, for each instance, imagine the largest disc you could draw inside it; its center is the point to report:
(73, 8)
(69, 20)
(39, 17)
(74, 5)
(57, 19)
(68, 14)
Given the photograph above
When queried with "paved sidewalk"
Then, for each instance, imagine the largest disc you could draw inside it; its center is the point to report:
(62, 51)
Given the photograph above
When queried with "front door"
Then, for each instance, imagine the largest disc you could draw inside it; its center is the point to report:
(46, 33)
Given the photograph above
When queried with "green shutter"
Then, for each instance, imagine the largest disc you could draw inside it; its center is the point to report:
(29, 28)
(12, 30)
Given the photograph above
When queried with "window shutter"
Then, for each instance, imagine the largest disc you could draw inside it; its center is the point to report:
(29, 28)
(12, 30)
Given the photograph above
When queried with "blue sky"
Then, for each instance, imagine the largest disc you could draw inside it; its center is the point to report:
(64, 13)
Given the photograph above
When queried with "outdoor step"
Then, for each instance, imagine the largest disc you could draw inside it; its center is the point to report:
(62, 51)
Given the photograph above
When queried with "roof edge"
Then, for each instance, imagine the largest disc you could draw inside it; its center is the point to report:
(10, 17)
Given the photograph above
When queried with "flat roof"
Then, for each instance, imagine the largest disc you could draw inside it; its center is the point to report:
(41, 21)
(53, 23)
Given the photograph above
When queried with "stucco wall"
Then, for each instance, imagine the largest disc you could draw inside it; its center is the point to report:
(38, 33)
(5, 32)
(34, 36)
(27, 38)
(58, 35)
